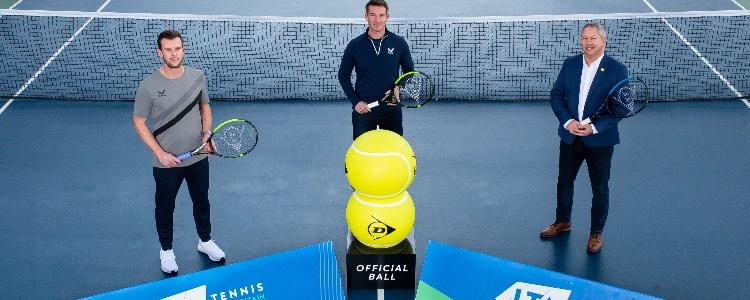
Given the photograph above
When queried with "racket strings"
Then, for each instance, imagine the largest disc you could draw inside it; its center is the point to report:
(624, 101)
(415, 90)
(628, 100)
(235, 139)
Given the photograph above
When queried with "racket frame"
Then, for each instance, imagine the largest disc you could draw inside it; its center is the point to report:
(604, 105)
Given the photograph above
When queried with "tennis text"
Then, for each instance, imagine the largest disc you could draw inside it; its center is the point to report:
(241, 293)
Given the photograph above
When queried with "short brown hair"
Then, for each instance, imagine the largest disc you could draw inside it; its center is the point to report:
(168, 34)
(376, 3)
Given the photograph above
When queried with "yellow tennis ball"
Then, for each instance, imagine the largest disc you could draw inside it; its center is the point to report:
(380, 164)
(380, 224)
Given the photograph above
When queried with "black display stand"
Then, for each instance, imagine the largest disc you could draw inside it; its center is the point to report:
(380, 273)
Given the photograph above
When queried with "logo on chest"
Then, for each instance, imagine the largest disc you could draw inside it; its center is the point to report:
(390, 50)
(162, 93)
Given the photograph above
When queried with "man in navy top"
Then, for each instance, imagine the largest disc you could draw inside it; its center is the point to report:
(377, 56)
(580, 89)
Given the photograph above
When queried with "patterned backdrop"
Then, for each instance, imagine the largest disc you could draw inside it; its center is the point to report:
(267, 59)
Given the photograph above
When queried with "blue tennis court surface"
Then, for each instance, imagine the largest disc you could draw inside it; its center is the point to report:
(77, 189)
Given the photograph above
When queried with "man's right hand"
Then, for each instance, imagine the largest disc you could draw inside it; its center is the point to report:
(167, 159)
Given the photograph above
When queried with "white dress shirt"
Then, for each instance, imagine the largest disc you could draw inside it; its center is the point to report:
(587, 78)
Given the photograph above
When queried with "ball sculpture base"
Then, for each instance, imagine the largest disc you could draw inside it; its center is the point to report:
(380, 273)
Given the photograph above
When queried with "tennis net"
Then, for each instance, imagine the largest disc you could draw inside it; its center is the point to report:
(104, 56)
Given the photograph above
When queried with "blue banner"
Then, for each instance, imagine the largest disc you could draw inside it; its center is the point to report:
(306, 273)
(455, 273)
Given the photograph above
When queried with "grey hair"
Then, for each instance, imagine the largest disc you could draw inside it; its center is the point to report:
(599, 28)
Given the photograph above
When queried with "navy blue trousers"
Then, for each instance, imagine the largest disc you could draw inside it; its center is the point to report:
(168, 182)
(385, 118)
(599, 161)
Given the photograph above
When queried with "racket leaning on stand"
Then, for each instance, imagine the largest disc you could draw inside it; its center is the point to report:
(413, 89)
(231, 139)
(629, 97)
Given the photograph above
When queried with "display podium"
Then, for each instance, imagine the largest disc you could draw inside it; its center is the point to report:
(381, 273)
(380, 258)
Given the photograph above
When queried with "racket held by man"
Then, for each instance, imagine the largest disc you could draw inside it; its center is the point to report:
(411, 90)
(627, 98)
(231, 139)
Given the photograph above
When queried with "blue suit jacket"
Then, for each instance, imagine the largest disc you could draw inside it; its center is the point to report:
(564, 98)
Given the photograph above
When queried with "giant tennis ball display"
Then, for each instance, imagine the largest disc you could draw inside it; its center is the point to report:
(383, 223)
(380, 164)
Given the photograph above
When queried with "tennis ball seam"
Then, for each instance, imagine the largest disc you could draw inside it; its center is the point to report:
(396, 203)
(409, 168)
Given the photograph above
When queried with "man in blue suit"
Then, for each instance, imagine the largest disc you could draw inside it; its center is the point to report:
(578, 93)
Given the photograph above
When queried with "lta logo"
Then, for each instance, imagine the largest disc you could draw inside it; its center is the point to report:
(527, 291)
(378, 229)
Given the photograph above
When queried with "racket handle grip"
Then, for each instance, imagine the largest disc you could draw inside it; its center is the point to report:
(373, 104)
(184, 156)
(586, 122)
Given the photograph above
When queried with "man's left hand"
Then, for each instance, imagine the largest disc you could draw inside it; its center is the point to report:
(396, 96)
(583, 130)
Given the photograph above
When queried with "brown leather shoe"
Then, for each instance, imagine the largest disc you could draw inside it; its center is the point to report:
(555, 229)
(595, 242)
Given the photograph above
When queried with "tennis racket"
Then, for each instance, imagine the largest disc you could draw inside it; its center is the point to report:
(411, 90)
(231, 139)
(629, 97)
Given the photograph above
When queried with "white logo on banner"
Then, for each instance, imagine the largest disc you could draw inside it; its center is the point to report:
(198, 293)
(527, 291)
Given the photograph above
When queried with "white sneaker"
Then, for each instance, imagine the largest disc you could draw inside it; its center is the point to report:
(168, 262)
(211, 249)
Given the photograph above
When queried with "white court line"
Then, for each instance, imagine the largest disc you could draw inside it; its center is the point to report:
(14, 5)
(650, 6)
(740, 5)
(52, 58)
(711, 66)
